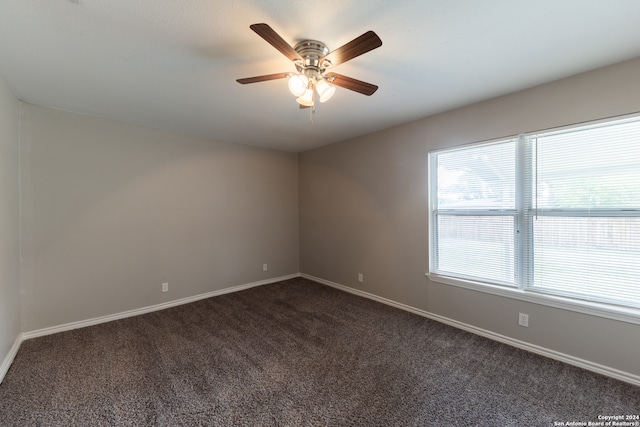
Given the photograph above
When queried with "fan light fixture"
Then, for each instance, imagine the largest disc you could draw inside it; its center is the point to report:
(307, 98)
(302, 88)
(298, 84)
(325, 90)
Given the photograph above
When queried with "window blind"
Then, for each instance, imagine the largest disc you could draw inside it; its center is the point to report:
(586, 224)
(475, 212)
(554, 212)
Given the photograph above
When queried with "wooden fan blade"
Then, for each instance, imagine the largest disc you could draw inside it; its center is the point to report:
(274, 39)
(356, 47)
(264, 78)
(351, 84)
(303, 107)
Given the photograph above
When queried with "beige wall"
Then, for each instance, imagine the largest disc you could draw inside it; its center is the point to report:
(363, 209)
(9, 223)
(111, 211)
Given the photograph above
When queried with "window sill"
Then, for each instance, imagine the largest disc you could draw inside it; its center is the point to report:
(623, 314)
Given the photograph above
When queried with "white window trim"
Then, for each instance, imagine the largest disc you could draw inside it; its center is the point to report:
(604, 310)
(609, 311)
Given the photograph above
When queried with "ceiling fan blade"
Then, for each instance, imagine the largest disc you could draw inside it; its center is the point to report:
(264, 78)
(274, 39)
(356, 47)
(351, 84)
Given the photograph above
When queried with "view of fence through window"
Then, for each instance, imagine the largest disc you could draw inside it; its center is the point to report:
(586, 194)
(556, 212)
(476, 218)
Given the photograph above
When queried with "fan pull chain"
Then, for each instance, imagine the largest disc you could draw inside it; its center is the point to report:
(312, 111)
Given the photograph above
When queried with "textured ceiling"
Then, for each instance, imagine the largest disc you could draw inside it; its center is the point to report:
(172, 64)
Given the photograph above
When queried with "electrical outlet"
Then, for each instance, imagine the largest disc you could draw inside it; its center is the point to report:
(360, 278)
(265, 267)
(165, 287)
(523, 320)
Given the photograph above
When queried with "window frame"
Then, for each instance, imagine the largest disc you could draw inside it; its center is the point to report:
(523, 214)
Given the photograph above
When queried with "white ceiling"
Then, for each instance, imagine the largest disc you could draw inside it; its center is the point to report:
(172, 64)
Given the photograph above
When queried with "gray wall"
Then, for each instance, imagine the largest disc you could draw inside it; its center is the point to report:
(363, 209)
(9, 222)
(111, 211)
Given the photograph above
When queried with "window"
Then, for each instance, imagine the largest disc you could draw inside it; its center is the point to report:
(553, 213)
(475, 214)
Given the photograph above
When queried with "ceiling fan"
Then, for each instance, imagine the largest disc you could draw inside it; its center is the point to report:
(312, 59)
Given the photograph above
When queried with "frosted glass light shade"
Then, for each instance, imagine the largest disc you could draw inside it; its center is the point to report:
(325, 90)
(306, 99)
(298, 84)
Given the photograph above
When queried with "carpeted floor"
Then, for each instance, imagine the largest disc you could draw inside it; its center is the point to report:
(294, 353)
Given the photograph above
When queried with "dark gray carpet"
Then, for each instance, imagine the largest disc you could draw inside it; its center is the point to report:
(294, 353)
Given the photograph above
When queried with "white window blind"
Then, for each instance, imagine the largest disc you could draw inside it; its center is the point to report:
(586, 224)
(557, 212)
(475, 212)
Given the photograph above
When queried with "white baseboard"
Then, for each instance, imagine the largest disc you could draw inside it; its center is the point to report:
(8, 360)
(552, 354)
(149, 309)
(562, 357)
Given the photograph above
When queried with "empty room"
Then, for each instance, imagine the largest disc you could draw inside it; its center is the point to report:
(340, 213)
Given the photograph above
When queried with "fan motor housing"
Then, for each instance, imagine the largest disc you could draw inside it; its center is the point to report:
(312, 51)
